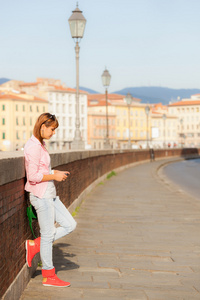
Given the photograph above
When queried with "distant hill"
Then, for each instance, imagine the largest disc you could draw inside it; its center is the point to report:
(158, 94)
(3, 80)
(88, 90)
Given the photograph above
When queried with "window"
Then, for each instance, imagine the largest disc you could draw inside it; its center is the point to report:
(43, 108)
(82, 109)
(16, 107)
(23, 107)
(37, 109)
(82, 133)
(24, 122)
(82, 122)
(31, 121)
(3, 121)
(70, 121)
(3, 107)
(17, 122)
(3, 135)
(24, 135)
(30, 107)
(17, 135)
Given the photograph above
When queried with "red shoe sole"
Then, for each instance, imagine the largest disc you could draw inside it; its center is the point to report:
(56, 285)
(27, 254)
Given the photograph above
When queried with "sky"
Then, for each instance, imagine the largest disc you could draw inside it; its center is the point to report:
(140, 42)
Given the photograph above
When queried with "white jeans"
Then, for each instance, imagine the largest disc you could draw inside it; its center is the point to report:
(50, 211)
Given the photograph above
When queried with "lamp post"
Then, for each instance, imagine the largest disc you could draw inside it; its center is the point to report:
(147, 110)
(106, 82)
(128, 100)
(164, 123)
(77, 25)
(181, 121)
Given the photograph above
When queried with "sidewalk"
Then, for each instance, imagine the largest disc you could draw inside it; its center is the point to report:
(138, 237)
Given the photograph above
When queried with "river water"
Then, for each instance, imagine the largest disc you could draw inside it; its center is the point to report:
(186, 174)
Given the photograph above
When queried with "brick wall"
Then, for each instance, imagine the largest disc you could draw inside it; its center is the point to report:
(84, 167)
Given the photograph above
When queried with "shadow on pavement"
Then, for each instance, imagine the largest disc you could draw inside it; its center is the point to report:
(60, 259)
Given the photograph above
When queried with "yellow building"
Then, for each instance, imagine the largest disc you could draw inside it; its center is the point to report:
(138, 124)
(118, 115)
(18, 113)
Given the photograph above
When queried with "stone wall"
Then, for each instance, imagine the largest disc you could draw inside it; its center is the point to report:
(85, 167)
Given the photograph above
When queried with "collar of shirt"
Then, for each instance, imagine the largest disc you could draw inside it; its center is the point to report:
(35, 140)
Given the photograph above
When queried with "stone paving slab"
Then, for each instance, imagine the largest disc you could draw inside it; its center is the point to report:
(137, 238)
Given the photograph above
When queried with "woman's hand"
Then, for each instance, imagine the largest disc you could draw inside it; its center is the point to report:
(60, 175)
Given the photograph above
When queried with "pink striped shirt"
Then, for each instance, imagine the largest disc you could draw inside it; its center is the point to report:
(37, 162)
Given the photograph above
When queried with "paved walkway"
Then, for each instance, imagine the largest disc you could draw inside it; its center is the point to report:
(138, 237)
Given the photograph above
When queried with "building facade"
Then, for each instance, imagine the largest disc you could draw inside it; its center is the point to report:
(188, 125)
(138, 127)
(163, 127)
(118, 119)
(61, 102)
(97, 124)
(18, 114)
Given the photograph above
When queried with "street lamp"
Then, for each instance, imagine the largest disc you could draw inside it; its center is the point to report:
(106, 82)
(181, 121)
(77, 25)
(147, 110)
(128, 100)
(164, 121)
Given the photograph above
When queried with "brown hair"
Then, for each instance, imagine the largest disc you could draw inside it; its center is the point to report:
(47, 119)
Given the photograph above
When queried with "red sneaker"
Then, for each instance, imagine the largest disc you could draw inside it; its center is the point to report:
(32, 247)
(51, 279)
